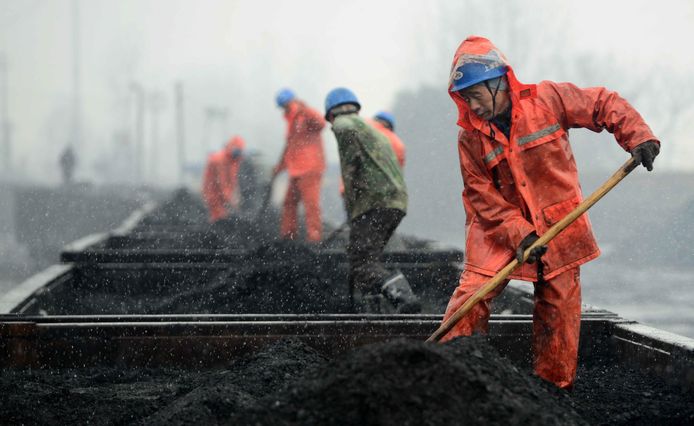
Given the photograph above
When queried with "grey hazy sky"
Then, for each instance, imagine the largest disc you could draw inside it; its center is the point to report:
(236, 54)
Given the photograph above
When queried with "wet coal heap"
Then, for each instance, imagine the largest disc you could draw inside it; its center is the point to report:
(183, 207)
(289, 383)
(279, 277)
(412, 383)
(241, 387)
(284, 276)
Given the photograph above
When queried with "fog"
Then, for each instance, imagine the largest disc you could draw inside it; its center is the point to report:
(231, 58)
(83, 72)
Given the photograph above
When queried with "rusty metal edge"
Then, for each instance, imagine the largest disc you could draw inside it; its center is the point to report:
(666, 355)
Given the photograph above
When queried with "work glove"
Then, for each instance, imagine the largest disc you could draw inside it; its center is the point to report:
(646, 153)
(535, 254)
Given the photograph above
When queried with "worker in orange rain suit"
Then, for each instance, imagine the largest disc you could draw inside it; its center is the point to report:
(384, 122)
(220, 180)
(520, 178)
(304, 160)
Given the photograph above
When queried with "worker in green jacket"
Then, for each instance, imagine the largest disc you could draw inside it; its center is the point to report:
(375, 197)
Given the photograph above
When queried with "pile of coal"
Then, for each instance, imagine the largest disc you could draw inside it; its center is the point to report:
(280, 277)
(288, 382)
(182, 208)
(406, 382)
(240, 388)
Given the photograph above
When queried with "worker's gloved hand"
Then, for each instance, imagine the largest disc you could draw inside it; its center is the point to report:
(646, 153)
(535, 254)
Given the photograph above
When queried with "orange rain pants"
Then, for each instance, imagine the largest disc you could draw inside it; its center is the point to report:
(304, 188)
(304, 161)
(556, 321)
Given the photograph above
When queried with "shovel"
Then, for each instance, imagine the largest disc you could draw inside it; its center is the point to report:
(552, 232)
(268, 196)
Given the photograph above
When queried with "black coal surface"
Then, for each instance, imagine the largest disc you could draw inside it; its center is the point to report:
(289, 383)
(182, 208)
(283, 277)
(628, 397)
(280, 277)
(413, 383)
(241, 387)
(230, 233)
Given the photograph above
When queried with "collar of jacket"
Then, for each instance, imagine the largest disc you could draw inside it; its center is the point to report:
(519, 92)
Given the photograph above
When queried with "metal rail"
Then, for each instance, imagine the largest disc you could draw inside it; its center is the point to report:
(79, 253)
(211, 340)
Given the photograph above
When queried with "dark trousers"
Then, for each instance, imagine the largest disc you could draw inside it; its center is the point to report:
(368, 236)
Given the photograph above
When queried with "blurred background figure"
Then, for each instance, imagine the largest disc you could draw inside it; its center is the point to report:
(384, 122)
(68, 162)
(220, 180)
(304, 160)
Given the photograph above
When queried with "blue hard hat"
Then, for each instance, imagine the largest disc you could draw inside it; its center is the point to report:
(284, 96)
(387, 117)
(471, 73)
(340, 96)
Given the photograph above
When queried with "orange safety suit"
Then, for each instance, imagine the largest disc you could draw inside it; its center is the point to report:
(395, 142)
(527, 183)
(220, 179)
(304, 161)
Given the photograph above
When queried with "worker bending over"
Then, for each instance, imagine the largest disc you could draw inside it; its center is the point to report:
(375, 197)
(384, 122)
(304, 161)
(220, 180)
(520, 178)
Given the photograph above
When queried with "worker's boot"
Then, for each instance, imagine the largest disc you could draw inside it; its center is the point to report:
(398, 291)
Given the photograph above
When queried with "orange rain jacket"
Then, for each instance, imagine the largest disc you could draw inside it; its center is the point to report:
(395, 142)
(529, 182)
(221, 178)
(304, 151)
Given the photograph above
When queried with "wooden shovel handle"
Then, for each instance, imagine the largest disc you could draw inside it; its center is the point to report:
(545, 238)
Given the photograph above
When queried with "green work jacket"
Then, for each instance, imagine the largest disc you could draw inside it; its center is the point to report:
(370, 170)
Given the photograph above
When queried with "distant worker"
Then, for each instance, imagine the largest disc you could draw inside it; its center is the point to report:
(520, 178)
(68, 161)
(375, 197)
(304, 161)
(220, 180)
(384, 122)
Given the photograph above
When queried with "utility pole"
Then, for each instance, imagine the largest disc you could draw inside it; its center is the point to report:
(156, 104)
(76, 79)
(215, 114)
(138, 148)
(4, 117)
(180, 131)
